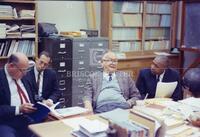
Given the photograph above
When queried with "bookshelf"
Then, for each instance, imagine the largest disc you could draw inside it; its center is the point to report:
(18, 25)
(136, 29)
(137, 26)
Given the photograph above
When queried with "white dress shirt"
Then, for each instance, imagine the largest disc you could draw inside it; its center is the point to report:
(15, 98)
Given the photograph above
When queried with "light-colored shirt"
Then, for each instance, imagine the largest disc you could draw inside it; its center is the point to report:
(15, 98)
(161, 76)
(110, 92)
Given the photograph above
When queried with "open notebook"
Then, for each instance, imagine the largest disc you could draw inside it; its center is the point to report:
(165, 89)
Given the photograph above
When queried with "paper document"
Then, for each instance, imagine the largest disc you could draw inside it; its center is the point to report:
(165, 89)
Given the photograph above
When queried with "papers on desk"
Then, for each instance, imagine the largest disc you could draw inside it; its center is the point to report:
(116, 115)
(193, 102)
(70, 111)
(83, 126)
(165, 89)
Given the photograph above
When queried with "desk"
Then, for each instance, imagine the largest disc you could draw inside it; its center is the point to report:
(56, 128)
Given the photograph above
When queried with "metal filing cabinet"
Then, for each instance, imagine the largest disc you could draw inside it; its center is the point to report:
(87, 53)
(60, 50)
(74, 59)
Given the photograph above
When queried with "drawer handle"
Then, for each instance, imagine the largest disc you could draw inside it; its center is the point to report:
(81, 68)
(62, 89)
(81, 50)
(62, 70)
(64, 52)
(80, 86)
(62, 82)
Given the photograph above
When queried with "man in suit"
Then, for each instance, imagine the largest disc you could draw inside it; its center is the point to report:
(110, 89)
(44, 80)
(15, 98)
(159, 71)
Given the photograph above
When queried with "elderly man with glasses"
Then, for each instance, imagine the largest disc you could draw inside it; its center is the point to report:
(110, 89)
(15, 97)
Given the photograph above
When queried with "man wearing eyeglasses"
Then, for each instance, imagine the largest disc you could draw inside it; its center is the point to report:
(15, 97)
(110, 89)
(159, 71)
(44, 80)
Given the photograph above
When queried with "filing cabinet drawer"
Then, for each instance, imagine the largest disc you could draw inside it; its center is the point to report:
(77, 100)
(80, 50)
(78, 88)
(62, 65)
(57, 47)
(80, 65)
(99, 44)
(65, 84)
(67, 100)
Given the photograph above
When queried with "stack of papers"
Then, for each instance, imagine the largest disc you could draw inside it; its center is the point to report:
(165, 89)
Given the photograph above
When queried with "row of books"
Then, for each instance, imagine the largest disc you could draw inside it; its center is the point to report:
(7, 11)
(127, 46)
(161, 8)
(11, 46)
(137, 7)
(157, 33)
(126, 34)
(158, 20)
(156, 45)
(132, 20)
(127, 7)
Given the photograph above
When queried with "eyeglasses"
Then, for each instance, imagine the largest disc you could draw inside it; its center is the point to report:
(23, 71)
(110, 60)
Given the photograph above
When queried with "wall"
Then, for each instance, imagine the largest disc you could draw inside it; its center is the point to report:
(67, 15)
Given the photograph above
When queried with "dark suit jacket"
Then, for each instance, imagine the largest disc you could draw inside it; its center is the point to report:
(7, 112)
(146, 83)
(50, 84)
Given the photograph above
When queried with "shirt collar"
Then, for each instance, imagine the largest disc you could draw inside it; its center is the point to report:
(106, 75)
(161, 76)
(9, 78)
(36, 71)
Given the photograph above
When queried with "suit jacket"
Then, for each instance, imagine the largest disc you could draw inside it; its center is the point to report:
(49, 86)
(146, 83)
(7, 112)
(127, 85)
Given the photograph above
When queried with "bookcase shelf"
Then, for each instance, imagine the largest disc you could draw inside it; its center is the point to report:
(18, 22)
(142, 21)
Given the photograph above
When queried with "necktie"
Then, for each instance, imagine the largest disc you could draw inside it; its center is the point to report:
(21, 93)
(38, 80)
(110, 77)
(157, 78)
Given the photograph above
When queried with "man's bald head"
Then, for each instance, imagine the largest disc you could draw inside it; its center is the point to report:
(17, 65)
(191, 80)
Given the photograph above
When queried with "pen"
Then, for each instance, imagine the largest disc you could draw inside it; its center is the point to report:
(146, 96)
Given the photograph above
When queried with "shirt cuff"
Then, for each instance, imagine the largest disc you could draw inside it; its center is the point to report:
(50, 100)
(17, 110)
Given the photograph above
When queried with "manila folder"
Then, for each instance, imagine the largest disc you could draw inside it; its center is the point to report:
(165, 89)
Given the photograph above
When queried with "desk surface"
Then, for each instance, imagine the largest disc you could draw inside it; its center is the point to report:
(56, 128)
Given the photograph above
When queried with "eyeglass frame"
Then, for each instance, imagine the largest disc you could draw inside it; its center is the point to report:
(110, 61)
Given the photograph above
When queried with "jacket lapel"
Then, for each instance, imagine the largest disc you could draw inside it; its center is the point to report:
(6, 86)
(120, 81)
(99, 80)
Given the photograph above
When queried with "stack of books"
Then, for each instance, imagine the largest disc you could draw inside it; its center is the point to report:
(91, 128)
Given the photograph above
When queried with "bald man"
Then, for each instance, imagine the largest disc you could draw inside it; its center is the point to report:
(15, 97)
(159, 71)
(191, 82)
(110, 89)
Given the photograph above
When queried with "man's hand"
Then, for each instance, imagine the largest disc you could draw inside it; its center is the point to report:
(88, 105)
(48, 102)
(26, 108)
